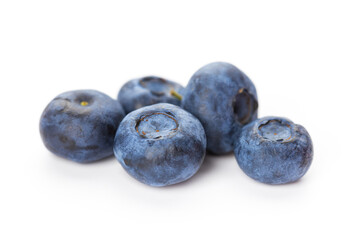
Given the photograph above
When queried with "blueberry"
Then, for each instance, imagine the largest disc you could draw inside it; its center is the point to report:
(141, 92)
(81, 125)
(223, 98)
(274, 150)
(160, 145)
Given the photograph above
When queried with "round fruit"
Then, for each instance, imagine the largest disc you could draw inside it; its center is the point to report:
(160, 145)
(81, 125)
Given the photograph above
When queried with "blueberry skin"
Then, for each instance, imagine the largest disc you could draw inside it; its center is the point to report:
(274, 150)
(223, 98)
(81, 125)
(141, 92)
(160, 145)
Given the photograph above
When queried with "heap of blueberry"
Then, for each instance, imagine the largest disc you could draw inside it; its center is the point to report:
(164, 136)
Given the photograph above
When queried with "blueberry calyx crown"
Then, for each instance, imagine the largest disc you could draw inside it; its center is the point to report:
(157, 125)
(244, 105)
(159, 87)
(84, 100)
(276, 130)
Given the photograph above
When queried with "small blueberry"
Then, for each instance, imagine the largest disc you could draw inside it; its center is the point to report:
(160, 145)
(141, 92)
(223, 98)
(274, 150)
(81, 125)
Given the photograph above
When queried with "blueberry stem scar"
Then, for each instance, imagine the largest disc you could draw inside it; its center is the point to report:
(152, 84)
(175, 94)
(84, 103)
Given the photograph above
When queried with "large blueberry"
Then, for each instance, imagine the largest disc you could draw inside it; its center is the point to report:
(160, 145)
(81, 125)
(223, 98)
(274, 150)
(141, 92)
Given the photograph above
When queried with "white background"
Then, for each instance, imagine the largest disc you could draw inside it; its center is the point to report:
(303, 57)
